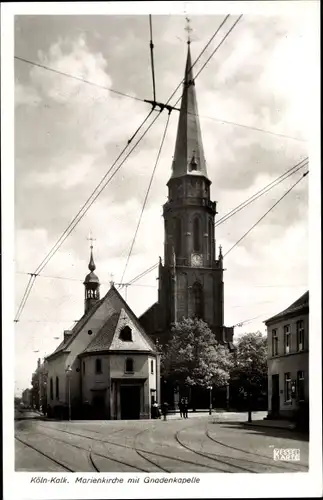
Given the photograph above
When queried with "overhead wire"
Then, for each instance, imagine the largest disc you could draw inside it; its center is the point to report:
(82, 80)
(80, 215)
(214, 51)
(264, 190)
(271, 208)
(303, 163)
(44, 263)
(146, 197)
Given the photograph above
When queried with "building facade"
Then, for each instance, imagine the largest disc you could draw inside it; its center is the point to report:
(190, 276)
(288, 350)
(106, 366)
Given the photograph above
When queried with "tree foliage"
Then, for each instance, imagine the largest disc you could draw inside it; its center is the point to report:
(250, 361)
(194, 357)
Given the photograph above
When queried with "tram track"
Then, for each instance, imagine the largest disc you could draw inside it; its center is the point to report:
(57, 462)
(140, 452)
(241, 450)
(91, 452)
(213, 457)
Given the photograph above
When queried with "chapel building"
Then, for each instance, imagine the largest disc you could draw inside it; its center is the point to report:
(106, 367)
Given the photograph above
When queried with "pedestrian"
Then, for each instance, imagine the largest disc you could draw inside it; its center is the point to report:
(155, 410)
(185, 409)
(164, 409)
(181, 407)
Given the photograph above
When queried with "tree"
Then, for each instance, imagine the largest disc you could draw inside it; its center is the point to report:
(249, 373)
(193, 357)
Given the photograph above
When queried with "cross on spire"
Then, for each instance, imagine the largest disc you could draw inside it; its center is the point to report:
(91, 239)
(188, 29)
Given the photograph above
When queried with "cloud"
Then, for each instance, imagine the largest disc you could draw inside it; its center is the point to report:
(68, 134)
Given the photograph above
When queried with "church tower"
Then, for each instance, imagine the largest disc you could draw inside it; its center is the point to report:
(191, 277)
(92, 285)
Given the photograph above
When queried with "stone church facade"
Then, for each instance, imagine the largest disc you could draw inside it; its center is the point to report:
(191, 276)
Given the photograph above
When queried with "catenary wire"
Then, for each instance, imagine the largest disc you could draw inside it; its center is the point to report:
(146, 197)
(263, 191)
(78, 217)
(88, 82)
(228, 122)
(212, 54)
(45, 263)
(261, 218)
(233, 211)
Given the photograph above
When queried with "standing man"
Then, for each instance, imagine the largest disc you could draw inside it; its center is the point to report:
(185, 408)
(181, 407)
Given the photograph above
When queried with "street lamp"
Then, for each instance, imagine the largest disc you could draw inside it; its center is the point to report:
(68, 372)
(249, 361)
(210, 408)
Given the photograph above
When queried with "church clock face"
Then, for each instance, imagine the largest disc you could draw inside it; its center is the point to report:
(196, 260)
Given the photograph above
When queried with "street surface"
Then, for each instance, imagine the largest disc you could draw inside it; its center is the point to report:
(216, 443)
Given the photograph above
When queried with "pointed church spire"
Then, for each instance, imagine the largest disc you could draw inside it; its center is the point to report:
(91, 283)
(189, 153)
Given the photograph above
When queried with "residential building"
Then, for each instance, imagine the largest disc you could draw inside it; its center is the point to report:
(26, 398)
(288, 349)
(106, 366)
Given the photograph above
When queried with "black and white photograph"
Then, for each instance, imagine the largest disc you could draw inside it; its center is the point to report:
(163, 179)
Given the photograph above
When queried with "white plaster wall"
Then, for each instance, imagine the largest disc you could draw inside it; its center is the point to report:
(56, 368)
(117, 365)
(92, 380)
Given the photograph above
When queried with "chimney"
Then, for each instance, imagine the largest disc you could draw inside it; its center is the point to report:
(67, 334)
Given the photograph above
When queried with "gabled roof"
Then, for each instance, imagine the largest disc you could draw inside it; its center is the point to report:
(104, 337)
(301, 304)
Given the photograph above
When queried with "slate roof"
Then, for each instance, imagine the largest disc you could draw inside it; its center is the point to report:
(104, 337)
(77, 327)
(295, 308)
(102, 340)
(189, 154)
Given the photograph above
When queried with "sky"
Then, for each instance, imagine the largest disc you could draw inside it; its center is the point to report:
(68, 133)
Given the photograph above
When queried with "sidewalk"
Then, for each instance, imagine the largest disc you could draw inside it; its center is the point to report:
(275, 424)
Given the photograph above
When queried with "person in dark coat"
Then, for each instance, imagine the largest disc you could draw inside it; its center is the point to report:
(185, 408)
(164, 409)
(181, 407)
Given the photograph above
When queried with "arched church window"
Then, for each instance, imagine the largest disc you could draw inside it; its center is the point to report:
(51, 389)
(126, 334)
(57, 388)
(197, 234)
(198, 300)
(178, 236)
(210, 233)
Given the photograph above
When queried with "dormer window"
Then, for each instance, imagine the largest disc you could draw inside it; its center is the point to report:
(193, 164)
(126, 334)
